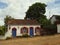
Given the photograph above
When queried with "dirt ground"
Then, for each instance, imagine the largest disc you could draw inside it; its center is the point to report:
(41, 40)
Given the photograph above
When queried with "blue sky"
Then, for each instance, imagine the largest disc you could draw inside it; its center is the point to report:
(17, 8)
(3, 5)
(53, 8)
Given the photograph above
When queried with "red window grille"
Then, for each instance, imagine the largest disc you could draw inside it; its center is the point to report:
(37, 29)
(24, 29)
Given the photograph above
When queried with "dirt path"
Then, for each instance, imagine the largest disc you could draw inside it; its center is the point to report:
(44, 40)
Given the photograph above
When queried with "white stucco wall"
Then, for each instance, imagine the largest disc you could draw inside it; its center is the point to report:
(53, 19)
(58, 28)
(18, 27)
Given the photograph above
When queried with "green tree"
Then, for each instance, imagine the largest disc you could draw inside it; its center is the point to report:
(2, 30)
(36, 11)
(6, 20)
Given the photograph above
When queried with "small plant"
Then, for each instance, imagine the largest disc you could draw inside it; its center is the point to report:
(25, 35)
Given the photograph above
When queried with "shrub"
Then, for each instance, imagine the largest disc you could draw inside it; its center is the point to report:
(25, 35)
(49, 29)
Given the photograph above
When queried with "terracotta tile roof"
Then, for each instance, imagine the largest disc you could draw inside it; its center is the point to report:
(22, 22)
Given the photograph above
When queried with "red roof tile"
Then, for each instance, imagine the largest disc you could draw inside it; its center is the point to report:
(22, 22)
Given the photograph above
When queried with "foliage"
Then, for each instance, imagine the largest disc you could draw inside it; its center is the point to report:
(2, 30)
(25, 35)
(50, 29)
(36, 11)
(44, 21)
(7, 18)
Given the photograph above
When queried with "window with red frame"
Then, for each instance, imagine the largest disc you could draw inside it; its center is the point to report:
(24, 30)
(37, 29)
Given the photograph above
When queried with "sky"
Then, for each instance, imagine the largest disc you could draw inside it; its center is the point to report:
(17, 8)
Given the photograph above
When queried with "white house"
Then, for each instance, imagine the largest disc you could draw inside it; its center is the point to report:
(17, 27)
(54, 18)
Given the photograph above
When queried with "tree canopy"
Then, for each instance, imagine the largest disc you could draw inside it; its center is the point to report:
(36, 11)
(2, 30)
(7, 18)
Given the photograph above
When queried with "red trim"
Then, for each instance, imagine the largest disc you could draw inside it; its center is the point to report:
(14, 28)
(31, 27)
(37, 28)
(23, 29)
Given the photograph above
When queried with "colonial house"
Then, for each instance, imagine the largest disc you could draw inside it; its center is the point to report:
(18, 27)
(54, 18)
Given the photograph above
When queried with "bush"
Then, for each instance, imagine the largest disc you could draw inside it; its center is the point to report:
(49, 29)
(25, 35)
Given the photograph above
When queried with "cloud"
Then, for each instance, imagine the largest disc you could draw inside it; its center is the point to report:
(53, 8)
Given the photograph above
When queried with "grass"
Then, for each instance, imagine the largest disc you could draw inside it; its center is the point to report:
(40, 40)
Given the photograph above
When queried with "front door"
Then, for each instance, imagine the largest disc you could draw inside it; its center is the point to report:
(14, 32)
(31, 31)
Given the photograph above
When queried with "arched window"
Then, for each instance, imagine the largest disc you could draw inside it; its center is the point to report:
(37, 30)
(14, 28)
(24, 30)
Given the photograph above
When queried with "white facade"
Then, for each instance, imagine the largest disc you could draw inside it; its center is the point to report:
(53, 19)
(58, 28)
(18, 27)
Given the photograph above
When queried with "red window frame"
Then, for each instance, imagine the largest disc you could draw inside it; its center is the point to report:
(14, 28)
(22, 29)
(37, 28)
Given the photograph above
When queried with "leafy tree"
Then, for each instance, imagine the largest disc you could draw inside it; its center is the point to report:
(2, 30)
(36, 11)
(44, 22)
(6, 20)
